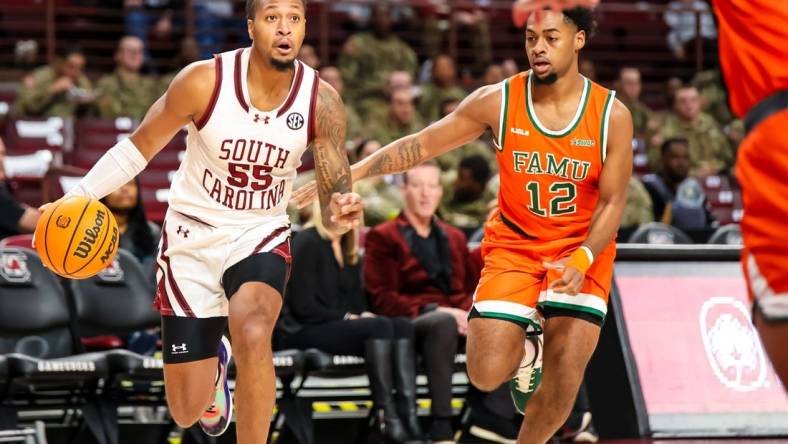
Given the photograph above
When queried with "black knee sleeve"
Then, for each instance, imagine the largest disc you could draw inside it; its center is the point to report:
(191, 339)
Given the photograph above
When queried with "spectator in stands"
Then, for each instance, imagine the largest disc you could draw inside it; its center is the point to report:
(308, 55)
(678, 199)
(680, 17)
(326, 309)
(415, 266)
(709, 149)
(333, 77)
(137, 235)
(465, 205)
(493, 74)
(367, 58)
(126, 92)
(469, 21)
(639, 209)
(451, 160)
(509, 68)
(588, 69)
(15, 218)
(714, 97)
(442, 87)
(189, 53)
(400, 120)
(150, 18)
(382, 199)
(58, 90)
(629, 87)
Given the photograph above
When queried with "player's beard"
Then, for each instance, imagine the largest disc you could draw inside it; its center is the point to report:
(282, 65)
(547, 80)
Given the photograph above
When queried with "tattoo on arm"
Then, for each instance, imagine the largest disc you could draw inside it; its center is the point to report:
(332, 171)
(407, 152)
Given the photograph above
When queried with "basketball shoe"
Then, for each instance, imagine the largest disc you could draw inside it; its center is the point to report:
(216, 418)
(529, 374)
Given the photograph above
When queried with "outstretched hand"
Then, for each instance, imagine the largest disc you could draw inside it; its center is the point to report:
(346, 210)
(571, 280)
(305, 195)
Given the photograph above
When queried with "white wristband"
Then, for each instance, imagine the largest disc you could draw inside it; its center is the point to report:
(114, 169)
(589, 253)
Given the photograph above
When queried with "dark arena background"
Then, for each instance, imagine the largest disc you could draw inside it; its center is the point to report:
(80, 361)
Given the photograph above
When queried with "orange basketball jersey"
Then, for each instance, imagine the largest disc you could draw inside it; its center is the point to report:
(550, 179)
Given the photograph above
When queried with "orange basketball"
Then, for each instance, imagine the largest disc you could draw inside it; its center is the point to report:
(77, 237)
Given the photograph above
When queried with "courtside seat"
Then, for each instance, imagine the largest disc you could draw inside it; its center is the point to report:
(659, 233)
(117, 302)
(727, 235)
(43, 367)
(28, 135)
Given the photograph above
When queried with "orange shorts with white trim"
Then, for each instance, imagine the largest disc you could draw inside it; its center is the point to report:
(514, 283)
(761, 168)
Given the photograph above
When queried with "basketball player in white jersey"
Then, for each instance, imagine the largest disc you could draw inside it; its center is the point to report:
(225, 251)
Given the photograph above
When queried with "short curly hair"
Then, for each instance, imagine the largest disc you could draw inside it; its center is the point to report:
(583, 18)
(251, 8)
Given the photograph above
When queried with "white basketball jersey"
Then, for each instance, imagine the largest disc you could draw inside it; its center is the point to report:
(240, 162)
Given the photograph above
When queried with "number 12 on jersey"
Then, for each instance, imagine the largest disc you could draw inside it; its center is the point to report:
(562, 196)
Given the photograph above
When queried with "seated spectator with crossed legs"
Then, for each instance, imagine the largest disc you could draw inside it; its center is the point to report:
(325, 309)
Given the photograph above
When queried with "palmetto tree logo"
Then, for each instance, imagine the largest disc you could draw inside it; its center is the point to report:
(732, 345)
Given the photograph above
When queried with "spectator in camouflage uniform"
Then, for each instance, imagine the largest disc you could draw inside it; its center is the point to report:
(639, 209)
(709, 149)
(382, 199)
(714, 98)
(367, 59)
(442, 87)
(465, 204)
(126, 92)
(332, 76)
(451, 160)
(58, 90)
(401, 120)
(629, 86)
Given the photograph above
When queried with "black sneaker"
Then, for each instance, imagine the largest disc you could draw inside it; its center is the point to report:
(491, 427)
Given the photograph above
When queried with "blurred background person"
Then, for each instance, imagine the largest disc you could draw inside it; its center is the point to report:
(326, 308)
(61, 89)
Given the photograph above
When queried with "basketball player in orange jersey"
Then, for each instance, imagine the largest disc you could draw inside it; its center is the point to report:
(753, 37)
(225, 253)
(565, 157)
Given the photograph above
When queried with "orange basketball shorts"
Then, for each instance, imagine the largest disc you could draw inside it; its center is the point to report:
(514, 283)
(762, 171)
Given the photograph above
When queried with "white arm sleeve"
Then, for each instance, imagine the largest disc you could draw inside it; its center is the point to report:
(114, 169)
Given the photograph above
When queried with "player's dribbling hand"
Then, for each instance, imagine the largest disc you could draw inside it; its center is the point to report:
(571, 280)
(346, 210)
(523, 8)
(305, 195)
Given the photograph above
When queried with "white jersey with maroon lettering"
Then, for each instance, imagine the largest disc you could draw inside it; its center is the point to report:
(240, 161)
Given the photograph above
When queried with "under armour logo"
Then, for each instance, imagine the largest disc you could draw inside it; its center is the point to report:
(265, 119)
(179, 349)
(185, 233)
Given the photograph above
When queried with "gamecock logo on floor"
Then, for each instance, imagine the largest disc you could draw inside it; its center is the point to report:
(732, 345)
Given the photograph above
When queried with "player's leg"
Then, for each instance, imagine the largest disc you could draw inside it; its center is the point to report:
(494, 350)
(256, 285)
(194, 316)
(571, 333)
(190, 364)
(569, 343)
(773, 335)
(761, 168)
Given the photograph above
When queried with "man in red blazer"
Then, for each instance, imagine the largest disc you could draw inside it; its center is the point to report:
(415, 266)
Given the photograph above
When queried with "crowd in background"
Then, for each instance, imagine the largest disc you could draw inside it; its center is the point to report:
(415, 280)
